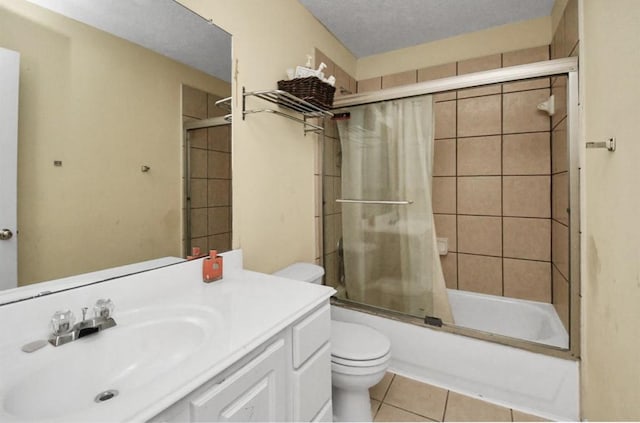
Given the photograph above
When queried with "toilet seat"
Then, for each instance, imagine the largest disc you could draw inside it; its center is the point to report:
(355, 345)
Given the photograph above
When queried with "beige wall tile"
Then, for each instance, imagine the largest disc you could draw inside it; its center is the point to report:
(219, 220)
(198, 163)
(527, 196)
(330, 236)
(461, 408)
(559, 91)
(317, 225)
(526, 154)
(444, 96)
(331, 270)
(212, 109)
(521, 114)
(560, 247)
(559, 148)
(388, 413)
(480, 91)
(479, 156)
(561, 296)
(220, 138)
(420, 398)
(480, 195)
(479, 116)
(446, 228)
(200, 242)
(449, 265)
(444, 195)
(343, 82)
(530, 84)
(527, 280)
(480, 235)
(330, 128)
(328, 199)
(198, 222)
(558, 43)
(194, 102)
(478, 64)
(437, 72)
(527, 238)
(480, 274)
(220, 242)
(380, 389)
(219, 192)
(371, 84)
(198, 138)
(329, 157)
(445, 119)
(560, 197)
(198, 193)
(444, 157)
(400, 78)
(528, 55)
(323, 58)
(571, 26)
(219, 165)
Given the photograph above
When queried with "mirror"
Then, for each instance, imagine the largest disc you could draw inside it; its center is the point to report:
(95, 111)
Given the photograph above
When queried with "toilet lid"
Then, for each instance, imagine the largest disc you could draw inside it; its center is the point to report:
(356, 342)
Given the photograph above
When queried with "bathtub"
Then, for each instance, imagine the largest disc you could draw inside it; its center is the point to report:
(528, 320)
(538, 384)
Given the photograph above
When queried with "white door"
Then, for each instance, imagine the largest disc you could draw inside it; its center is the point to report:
(9, 79)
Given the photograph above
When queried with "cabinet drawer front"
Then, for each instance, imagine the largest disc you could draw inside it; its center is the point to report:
(254, 393)
(325, 414)
(311, 334)
(312, 385)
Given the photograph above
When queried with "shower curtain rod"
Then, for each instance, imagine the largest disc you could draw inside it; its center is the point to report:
(512, 73)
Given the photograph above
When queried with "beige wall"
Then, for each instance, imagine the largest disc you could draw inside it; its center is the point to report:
(104, 107)
(505, 38)
(273, 163)
(610, 60)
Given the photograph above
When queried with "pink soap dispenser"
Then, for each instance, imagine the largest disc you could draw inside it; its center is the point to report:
(212, 267)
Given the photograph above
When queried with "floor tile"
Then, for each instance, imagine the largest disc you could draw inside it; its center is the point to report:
(519, 416)
(378, 391)
(375, 405)
(461, 408)
(388, 413)
(417, 397)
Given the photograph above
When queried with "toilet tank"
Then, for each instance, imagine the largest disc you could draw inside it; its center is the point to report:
(305, 272)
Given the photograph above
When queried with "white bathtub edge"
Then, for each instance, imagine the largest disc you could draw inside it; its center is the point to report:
(532, 383)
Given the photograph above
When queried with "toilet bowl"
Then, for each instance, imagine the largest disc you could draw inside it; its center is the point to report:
(359, 356)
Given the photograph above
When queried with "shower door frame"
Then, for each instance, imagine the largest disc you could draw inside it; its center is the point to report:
(557, 67)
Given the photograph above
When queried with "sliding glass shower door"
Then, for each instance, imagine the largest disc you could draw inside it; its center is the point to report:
(389, 256)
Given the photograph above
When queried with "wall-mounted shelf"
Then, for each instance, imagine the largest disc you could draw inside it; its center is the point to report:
(297, 109)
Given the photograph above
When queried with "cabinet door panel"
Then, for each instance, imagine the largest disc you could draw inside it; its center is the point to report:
(256, 392)
(312, 385)
(311, 334)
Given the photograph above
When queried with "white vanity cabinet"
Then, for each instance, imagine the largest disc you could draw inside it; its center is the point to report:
(287, 378)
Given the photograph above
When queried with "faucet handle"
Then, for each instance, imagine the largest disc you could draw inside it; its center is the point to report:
(62, 322)
(103, 308)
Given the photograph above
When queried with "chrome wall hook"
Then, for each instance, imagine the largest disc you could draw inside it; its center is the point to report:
(609, 144)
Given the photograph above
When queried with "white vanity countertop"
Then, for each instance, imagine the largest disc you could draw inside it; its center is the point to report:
(241, 312)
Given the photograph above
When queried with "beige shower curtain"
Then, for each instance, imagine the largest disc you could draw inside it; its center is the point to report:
(390, 253)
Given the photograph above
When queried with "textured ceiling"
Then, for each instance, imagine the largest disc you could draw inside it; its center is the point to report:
(163, 26)
(368, 27)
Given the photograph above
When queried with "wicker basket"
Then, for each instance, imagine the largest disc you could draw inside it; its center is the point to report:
(311, 90)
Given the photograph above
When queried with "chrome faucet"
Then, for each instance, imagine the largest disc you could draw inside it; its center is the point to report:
(64, 331)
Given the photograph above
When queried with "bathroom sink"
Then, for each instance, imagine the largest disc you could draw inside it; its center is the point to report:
(103, 368)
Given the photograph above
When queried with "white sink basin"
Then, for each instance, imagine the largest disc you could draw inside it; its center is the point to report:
(146, 344)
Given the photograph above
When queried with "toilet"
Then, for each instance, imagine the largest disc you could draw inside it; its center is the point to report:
(359, 356)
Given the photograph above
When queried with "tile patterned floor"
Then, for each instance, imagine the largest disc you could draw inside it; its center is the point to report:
(400, 399)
